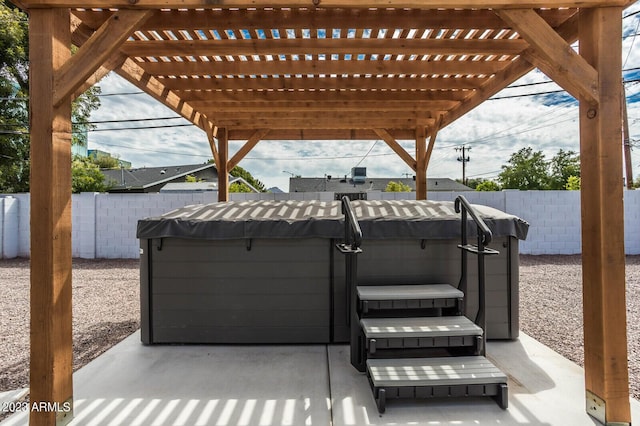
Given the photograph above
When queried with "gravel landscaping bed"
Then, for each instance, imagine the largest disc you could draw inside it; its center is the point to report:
(106, 304)
(106, 310)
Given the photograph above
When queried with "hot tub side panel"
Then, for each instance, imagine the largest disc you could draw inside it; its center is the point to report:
(240, 291)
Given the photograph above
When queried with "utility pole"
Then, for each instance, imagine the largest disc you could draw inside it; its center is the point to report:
(464, 158)
(626, 141)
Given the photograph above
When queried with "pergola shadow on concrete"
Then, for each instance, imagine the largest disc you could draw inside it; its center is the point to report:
(327, 69)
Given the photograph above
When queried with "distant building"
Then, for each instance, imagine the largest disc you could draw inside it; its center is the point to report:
(360, 183)
(79, 150)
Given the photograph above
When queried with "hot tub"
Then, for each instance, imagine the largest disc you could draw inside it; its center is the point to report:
(268, 271)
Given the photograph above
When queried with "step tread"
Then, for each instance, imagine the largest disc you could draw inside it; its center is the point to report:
(441, 371)
(408, 292)
(419, 327)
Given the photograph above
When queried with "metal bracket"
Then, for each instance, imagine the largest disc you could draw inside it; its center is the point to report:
(348, 249)
(64, 414)
(597, 408)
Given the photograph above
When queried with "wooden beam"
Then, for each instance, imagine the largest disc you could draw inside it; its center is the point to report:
(315, 18)
(333, 121)
(320, 134)
(421, 165)
(247, 147)
(80, 33)
(323, 46)
(432, 138)
(244, 4)
(316, 67)
(366, 114)
(100, 46)
(51, 323)
(223, 169)
(553, 55)
(327, 83)
(603, 254)
(397, 148)
(320, 106)
(211, 132)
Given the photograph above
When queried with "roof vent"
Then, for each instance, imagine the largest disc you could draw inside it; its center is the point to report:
(358, 174)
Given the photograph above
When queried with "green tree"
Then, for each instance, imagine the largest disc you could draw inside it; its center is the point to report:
(106, 162)
(573, 183)
(471, 182)
(239, 187)
(87, 177)
(14, 108)
(525, 170)
(14, 47)
(238, 171)
(488, 185)
(563, 165)
(394, 186)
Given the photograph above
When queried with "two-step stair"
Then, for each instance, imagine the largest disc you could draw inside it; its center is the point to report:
(413, 341)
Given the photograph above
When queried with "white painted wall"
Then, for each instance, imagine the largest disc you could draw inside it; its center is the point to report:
(104, 225)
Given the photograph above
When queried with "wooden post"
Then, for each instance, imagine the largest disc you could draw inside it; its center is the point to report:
(626, 141)
(421, 163)
(603, 256)
(51, 338)
(223, 165)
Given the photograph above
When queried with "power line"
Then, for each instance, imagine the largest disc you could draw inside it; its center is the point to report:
(168, 126)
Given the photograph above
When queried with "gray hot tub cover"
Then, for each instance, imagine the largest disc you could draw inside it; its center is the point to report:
(382, 219)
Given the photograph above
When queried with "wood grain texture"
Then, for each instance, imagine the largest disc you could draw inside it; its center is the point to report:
(51, 338)
(603, 259)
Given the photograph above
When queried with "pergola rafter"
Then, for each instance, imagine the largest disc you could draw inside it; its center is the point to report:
(334, 69)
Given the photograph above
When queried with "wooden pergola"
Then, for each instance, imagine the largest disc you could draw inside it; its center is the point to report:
(327, 69)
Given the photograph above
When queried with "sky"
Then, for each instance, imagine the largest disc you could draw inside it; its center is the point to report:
(511, 120)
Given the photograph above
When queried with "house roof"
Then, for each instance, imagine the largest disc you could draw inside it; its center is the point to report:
(346, 184)
(146, 177)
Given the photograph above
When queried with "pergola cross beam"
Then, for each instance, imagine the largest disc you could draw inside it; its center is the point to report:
(553, 55)
(98, 48)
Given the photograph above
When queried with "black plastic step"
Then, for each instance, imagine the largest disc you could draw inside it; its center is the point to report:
(436, 377)
(408, 297)
(420, 333)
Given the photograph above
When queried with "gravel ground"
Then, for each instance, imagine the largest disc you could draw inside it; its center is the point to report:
(106, 310)
(106, 303)
(551, 307)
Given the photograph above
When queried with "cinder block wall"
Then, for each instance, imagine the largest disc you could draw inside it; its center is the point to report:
(104, 225)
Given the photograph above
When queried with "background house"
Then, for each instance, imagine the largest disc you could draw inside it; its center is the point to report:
(153, 179)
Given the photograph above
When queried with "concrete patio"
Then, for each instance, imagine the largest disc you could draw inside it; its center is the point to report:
(132, 384)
